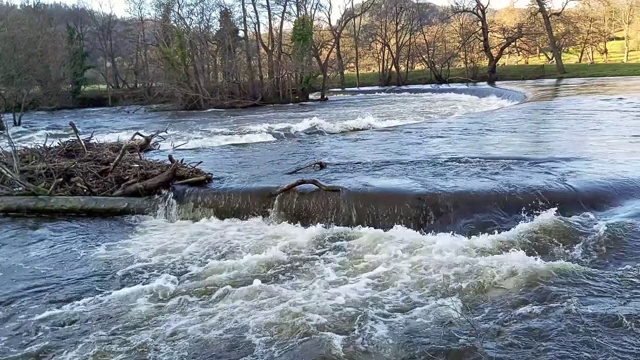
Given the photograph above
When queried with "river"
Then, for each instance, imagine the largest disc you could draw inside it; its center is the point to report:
(555, 282)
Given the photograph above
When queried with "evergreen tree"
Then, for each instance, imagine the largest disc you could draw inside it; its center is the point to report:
(77, 62)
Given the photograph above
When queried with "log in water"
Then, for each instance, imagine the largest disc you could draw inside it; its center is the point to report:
(75, 205)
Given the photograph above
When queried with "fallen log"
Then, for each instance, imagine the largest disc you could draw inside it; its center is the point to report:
(313, 182)
(200, 180)
(150, 186)
(76, 205)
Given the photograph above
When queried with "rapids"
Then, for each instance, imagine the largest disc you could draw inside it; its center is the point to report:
(534, 253)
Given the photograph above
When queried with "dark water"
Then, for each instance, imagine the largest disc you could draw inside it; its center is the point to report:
(560, 282)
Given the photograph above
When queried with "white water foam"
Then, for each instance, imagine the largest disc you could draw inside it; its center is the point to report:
(198, 141)
(375, 111)
(270, 285)
(360, 123)
(421, 108)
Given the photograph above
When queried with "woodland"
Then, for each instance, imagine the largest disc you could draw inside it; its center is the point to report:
(199, 54)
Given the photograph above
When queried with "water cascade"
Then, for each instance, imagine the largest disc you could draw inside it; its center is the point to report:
(463, 212)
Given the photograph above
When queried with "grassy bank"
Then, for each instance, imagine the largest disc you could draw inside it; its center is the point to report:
(507, 73)
(97, 97)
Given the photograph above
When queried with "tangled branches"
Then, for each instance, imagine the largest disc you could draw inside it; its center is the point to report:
(85, 167)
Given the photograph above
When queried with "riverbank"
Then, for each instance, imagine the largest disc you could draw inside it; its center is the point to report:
(505, 73)
(99, 98)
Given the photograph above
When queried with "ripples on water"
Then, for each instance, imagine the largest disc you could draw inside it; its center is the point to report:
(143, 287)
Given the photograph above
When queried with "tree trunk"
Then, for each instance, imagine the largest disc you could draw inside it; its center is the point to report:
(323, 90)
(399, 79)
(259, 62)
(627, 30)
(76, 205)
(247, 45)
(492, 72)
(582, 50)
(553, 44)
(340, 60)
(356, 35)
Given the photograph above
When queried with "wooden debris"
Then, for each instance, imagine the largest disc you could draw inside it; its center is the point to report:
(150, 186)
(75, 205)
(77, 134)
(316, 165)
(81, 167)
(314, 182)
(199, 180)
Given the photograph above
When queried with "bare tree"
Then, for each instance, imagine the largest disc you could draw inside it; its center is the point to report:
(605, 26)
(436, 47)
(357, 28)
(504, 36)
(253, 91)
(348, 15)
(544, 10)
(585, 21)
(140, 13)
(626, 12)
(104, 27)
(324, 46)
(391, 26)
(32, 60)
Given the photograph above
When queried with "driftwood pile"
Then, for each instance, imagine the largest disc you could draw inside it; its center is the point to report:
(84, 167)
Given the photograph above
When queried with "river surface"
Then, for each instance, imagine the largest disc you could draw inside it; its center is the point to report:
(555, 285)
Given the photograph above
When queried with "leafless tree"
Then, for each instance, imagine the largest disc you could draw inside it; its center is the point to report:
(544, 9)
(626, 13)
(496, 39)
(325, 44)
(32, 60)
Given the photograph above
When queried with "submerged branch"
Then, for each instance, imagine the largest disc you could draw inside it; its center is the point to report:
(314, 182)
(200, 180)
(316, 165)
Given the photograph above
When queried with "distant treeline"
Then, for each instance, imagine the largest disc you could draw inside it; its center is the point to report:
(211, 53)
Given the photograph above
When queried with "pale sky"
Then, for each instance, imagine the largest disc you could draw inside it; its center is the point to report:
(120, 6)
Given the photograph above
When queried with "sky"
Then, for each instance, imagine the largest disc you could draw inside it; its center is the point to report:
(120, 6)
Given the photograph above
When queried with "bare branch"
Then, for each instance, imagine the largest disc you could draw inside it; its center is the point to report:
(314, 182)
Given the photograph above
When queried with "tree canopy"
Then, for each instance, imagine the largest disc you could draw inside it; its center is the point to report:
(205, 53)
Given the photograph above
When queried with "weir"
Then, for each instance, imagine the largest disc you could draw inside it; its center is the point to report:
(463, 212)
(477, 90)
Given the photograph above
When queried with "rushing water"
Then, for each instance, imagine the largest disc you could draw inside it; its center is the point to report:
(555, 284)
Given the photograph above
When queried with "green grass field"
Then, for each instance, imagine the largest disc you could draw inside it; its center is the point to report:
(537, 69)
(616, 55)
(507, 73)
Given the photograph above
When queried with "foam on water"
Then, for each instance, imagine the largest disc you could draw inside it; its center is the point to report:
(271, 285)
(361, 123)
(198, 141)
(438, 105)
(423, 107)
